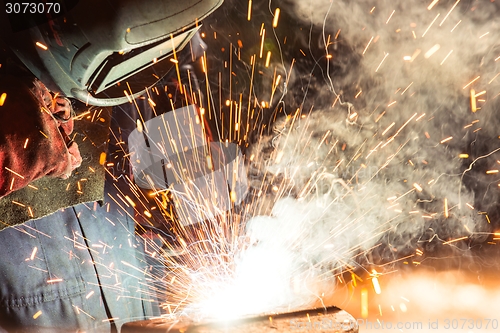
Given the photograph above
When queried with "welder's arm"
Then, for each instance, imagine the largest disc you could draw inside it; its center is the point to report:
(34, 131)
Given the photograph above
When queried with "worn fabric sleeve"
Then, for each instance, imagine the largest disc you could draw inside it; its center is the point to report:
(31, 144)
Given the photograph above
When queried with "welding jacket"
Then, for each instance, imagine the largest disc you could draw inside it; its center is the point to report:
(81, 268)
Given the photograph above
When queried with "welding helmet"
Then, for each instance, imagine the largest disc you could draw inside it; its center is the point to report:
(100, 51)
(171, 153)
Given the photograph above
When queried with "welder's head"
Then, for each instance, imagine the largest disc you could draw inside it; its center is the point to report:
(102, 53)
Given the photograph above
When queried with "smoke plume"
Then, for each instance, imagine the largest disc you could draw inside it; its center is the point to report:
(400, 151)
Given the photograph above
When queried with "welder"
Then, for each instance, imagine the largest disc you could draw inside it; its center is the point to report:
(79, 268)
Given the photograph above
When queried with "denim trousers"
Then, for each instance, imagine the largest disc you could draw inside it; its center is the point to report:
(80, 269)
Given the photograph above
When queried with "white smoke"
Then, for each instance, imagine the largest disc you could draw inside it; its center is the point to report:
(343, 180)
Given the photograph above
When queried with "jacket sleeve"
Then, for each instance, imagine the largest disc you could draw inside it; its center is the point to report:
(31, 144)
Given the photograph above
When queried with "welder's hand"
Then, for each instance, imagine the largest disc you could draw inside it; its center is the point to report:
(34, 134)
(62, 112)
(75, 157)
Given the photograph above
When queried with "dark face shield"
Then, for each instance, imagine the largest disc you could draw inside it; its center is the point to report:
(103, 53)
(139, 68)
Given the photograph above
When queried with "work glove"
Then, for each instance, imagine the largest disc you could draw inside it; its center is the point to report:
(62, 111)
(34, 134)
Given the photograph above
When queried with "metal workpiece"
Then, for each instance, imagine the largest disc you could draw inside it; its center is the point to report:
(319, 320)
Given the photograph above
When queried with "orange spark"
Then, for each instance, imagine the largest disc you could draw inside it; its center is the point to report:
(40, 45)
(471, 82)
(473, 105)
(249, 14)
(433, 3)
(406, 89)
(388, 128)
(447, 139)
(449, 53)
(430, 25)
(493, 79)
(261, 52)
(453, 7)
(10, 170)
(33, 253)
(102, 158)
(276, 17)
(385, 56)
(455, 240)
(456, 25)
(2, 98)
(128, 96)
(130, 201)
(431, 51)
(484, 34)
(268, 58)
(390, 16)
(369, 42)
(480, 93)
